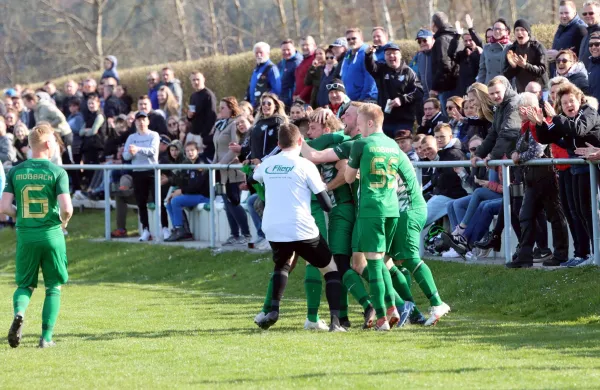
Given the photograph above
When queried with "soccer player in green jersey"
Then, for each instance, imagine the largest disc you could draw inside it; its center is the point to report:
(43, 207)
(377, 157)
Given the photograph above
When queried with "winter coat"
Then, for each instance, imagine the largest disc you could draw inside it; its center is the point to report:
(584, 50)
(46, 111)
(506, 125)
(477, 127)
(8, 153)
(432, 123)
(304, 91)
(594, 77)
(424, 72)
(569, 37)
(491, 63)
(76, 122)
(194, 181)
(175, 87)
(578, 76)
(113, 107)
(536, 68)
(287, 72)
(153, 95)
(443, 59)
(112, 72)
(360, 85)
(265, 78)
(263, 138)
(399, 83)
(225, 133)
(529, 148)
(313, 78)
(68, 99)
(446, 181)
(468, 68)
(323, 93)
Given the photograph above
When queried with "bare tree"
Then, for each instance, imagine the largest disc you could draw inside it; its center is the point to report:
(214, 27)
(403, 14)
(321, 11)
(181, 19)
(283, 17)
(296, 17)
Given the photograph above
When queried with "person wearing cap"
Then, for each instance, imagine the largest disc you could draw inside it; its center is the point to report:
(142, 148)
(422, 62)
(290, 59)
(399, 89)
(360, 85)
(404, 139)
(338, 100)
(591, 17)
(157, 121)
(525, 59)
(329, 70)
(339, 48)
(265, 76)
(380, 39)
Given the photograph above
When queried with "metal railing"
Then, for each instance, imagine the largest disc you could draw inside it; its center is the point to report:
(419, 166)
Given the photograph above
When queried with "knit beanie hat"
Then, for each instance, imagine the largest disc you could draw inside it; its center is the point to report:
(336, 85)
(523, 24)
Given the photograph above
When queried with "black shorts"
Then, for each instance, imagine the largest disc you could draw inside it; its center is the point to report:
(315, 251)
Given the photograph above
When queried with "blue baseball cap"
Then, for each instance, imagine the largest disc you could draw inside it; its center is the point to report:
(391, 46)
(424, 34)
(11, 93)
(340, 42)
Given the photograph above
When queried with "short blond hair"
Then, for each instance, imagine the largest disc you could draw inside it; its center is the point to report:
(36, 135)
(372, 112)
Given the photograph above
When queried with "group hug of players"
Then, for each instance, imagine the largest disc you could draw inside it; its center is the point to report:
(374, 226)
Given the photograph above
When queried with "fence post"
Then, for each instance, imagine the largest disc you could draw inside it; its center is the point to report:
(212, 228)
(506, 210)
(595, 217)
(106, 178)
(419, 173)
(157, 206)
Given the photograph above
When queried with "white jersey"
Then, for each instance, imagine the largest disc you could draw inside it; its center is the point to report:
(289, 180)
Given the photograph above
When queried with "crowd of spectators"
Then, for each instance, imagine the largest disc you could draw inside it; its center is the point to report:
(502, 96)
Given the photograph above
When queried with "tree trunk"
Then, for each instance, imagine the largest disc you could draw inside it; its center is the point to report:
(403, 16)
(375, 20)
(321, 11)
(99, 20)
(183, 29)
(284, 25)
(388, 19)
(213, 24)
(296, 15)
(238, 10)
(512, 6)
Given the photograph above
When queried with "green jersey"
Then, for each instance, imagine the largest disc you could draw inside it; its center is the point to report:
(36, 184)
(410, 195)
(377, 156)
(343, 152)
(342, 194)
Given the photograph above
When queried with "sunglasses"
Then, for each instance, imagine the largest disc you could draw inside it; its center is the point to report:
(351, 39)
(268, 104)
(449, 108)
(588, 13)
(421, 40)
(334, 86)
(563, 61)
(594, 44)
(472, 150)
(173, 124)
(330, 57)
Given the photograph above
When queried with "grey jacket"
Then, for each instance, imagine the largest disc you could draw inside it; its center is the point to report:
(147, 153)
(46, 111)
(506, 127)
(8, 153)
(224, 134)
(491, 62)
(424, 72)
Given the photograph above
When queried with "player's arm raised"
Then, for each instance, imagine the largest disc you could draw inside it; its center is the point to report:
(6, 205)
(316, 156)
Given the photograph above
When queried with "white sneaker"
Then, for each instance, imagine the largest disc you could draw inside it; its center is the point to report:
(382, 326)
(166, 233)
(261, 316)
(589, 260)
(437, 312)
(263, 245)
(458, 231)
(450, 254)
(319, 325)
(258, 240)
(78, 195)
(146, 236)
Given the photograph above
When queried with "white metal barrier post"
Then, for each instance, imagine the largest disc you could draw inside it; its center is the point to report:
(212, 228)
(419, 172)
(157, 206)
(506, 211)
(595, 217)
(106, 177)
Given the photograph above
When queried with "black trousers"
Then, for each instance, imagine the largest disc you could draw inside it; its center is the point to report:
(143, 186)
(583, 202)
(543, 195)
(581, 240)
(541, 235)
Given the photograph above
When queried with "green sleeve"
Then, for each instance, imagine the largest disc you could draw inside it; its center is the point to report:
(62, 183)
(343, 150)
(321, 143)
(355, 154)
(9, 182)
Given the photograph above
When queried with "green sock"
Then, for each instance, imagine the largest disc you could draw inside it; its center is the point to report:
(313, 285)
(356, 287)
(365, 274)
(407, 276)
(376, 285)
(389, 288)
(401, 284)
(21, 299)
(50, 312)
(269, 297)
(424, 279)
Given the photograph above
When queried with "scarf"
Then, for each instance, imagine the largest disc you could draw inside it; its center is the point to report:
(505, 40)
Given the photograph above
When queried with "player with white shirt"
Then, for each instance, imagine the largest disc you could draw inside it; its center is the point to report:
(289, 181)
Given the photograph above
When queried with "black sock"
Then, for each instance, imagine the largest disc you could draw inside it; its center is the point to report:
(280, 278)
(333, 287)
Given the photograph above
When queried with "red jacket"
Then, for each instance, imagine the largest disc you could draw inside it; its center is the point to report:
(557, 151)
(303, 91)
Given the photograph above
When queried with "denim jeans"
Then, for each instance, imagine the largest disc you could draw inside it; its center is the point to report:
(236, 215)
(254, 215)
(176, 205)
(437, 208)
(484, 215)
(456, 210)
(479, 195)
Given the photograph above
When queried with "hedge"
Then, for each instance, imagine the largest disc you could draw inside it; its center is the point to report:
(229, 75)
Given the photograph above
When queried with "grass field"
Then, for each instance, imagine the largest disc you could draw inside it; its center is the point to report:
(159, 317)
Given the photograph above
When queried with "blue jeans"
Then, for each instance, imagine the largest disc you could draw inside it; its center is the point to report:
(254, 215)
(176, 205)
(484, 215)
(456, 210)
(236, 215)
(437, 208)
(479, 195)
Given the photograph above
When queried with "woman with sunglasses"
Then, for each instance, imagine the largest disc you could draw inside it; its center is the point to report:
(567, 65)
(327, 76)
(314, 75)
(454, 108)
(594, 71)
(173, 128)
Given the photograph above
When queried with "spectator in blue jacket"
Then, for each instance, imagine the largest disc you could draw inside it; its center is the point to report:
(360, 85)
(265, 77)
(153, 80)
(594, 71)
(380, 39)
(110, 68)
(591, 17)
(287, 68)
(422, 65)
(570, 32)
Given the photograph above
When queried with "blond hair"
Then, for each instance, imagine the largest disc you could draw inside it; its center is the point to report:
(484, 102)
(372, 112)
(36, 135)
(170, 106)
(332, 122)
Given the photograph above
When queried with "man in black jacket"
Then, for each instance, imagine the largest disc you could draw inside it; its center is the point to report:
(445, 181)
(525, 58)
(203, 112)
(432, 117)
(399, 89)
(591, 17)
(443, 58)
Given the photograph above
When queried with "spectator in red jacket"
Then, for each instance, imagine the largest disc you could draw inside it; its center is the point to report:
(303, 91)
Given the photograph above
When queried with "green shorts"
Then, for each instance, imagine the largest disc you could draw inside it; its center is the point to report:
(341, 225)
(319, 215)
(406, 241)
(375, 234)
(50, 255)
